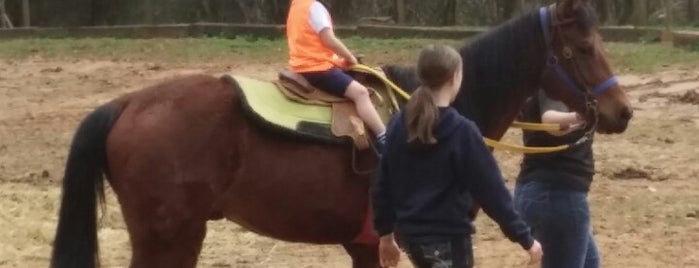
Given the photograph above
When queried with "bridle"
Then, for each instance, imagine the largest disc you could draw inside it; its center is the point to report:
(548, 18)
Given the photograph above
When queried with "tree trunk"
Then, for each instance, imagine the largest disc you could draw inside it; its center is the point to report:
(506, 8)
(691, 11)
(281, 10)
(148, 10)
(400, 11)
(450, 13)
(343, 11)
(496, 16)
(26, 21)
(511, 9)
(206, 7)
(640, 12)
(669, 16)
(252, 10)
(626, 11)
(604, 8)
(521, 7)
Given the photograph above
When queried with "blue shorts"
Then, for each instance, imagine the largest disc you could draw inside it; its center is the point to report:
(334, 81)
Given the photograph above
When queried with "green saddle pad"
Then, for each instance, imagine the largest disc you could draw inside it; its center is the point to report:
(266, 106)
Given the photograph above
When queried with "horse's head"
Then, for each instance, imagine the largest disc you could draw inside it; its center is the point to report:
(578, 72)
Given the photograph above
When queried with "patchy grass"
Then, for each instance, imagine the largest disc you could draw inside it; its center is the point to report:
(142, 49)
(627, 58)
(193, 49)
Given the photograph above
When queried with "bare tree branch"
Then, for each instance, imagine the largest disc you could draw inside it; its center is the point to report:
(6, 22)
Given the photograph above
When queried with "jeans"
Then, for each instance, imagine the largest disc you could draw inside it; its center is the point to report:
(454, 253)
(560, 221)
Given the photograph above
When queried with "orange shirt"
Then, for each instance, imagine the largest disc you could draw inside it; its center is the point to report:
(307, 52)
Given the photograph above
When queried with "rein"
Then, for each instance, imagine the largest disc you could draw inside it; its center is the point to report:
(552, 65)
(490, 142)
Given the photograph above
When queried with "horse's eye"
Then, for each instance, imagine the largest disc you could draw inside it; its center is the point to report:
(586, 50)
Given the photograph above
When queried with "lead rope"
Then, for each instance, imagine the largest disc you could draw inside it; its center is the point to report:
(490, 142)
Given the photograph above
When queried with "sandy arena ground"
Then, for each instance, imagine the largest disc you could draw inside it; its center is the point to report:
(645, 198)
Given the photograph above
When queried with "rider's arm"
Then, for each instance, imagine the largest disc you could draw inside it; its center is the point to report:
(330, 40)
(322, 24)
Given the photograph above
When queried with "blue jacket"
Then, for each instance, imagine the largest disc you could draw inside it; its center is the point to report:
(425, 192)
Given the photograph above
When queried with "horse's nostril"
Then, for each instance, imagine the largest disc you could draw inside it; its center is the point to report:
(626, 113)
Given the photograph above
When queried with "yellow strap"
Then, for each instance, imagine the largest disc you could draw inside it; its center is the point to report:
(391, 85)
(536, 126)
(523, 149)
(394, 100)
(490, 142)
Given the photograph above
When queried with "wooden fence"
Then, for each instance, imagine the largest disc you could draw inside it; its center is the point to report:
(223, 30)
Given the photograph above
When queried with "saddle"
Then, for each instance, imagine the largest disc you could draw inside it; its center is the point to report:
(293, 107)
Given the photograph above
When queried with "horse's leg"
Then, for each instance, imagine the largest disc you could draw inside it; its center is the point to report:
(166, 242)
(166, 220)
(363, 255)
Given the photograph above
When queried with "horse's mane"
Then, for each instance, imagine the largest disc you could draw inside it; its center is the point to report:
(502, 67)
(495, 63)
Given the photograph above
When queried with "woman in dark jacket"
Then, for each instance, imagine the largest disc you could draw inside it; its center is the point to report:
(434, 166)
(551, 190)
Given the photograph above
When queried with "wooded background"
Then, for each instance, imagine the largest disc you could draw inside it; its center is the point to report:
(56, 13)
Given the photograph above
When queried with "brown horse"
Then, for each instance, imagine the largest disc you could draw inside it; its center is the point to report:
(181, 153)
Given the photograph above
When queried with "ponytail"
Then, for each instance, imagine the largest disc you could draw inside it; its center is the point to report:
(436, 65)
(421, 114)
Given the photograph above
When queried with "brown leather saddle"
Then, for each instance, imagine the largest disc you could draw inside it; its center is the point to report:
(345, 120)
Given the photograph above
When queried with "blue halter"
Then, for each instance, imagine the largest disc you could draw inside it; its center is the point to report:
(552, 63)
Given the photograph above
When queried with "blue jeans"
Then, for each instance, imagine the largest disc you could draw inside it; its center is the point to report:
(560, 221)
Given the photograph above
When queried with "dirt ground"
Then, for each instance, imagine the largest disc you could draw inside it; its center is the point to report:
(645, 199)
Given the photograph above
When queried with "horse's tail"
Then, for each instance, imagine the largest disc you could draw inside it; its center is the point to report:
(75, 244)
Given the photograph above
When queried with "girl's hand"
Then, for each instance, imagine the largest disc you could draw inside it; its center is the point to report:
(343, 63)
(535, 253)
(389, 253)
